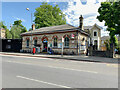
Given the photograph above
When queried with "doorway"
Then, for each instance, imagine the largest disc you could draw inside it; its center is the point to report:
(96, 44)
(45, 45)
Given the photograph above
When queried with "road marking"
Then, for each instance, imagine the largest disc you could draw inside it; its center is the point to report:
(73, 69)
(56, 67)
(42, 82)
(112, 65)
(18, 62)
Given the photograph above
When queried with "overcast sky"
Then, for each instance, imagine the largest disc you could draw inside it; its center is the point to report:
(16, 10)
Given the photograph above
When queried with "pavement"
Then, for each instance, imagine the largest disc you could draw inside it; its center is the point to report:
(69, 57)
(38, 72)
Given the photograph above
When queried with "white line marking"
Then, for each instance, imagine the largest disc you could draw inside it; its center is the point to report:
(18, 62)
(73, 69)
(42, 82)
(56, 67)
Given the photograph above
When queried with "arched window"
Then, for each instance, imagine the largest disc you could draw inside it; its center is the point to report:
(35, 42)
(27, 42)
(55, 42)
(95, 33)
(66, 42)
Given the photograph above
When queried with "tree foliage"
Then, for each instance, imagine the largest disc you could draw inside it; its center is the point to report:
(18, 23)
(47, 15)
(107, 44)
(7, 33)
(17, 29)
(110, 13)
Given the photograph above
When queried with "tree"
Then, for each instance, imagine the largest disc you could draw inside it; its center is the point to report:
(2, 25)
(18, 23)
(47, 15)
(7, 33)
(110, 13)
(17, 29)
(107, 44)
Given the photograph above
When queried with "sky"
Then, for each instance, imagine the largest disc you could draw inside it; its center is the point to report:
(12, 10)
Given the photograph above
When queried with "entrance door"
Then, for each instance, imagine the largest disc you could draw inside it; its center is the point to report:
(96, 44)
(45, 45)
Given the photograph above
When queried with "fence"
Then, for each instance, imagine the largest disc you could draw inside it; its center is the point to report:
(101, 53)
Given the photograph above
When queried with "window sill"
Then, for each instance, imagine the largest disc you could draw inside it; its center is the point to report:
(55, 47)
(66, 47)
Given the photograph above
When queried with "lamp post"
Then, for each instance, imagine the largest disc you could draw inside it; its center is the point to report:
(31, 25)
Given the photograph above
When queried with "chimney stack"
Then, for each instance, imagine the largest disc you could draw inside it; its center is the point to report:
(33, 27)
(81, 22)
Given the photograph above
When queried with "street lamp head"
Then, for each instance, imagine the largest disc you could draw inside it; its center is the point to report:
(27, 9)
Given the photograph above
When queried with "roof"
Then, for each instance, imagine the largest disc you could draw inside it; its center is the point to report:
(87, 27)
(105, 38)
(90, 27)
(58, 28)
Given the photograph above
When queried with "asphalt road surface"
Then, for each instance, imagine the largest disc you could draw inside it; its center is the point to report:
(31, 72)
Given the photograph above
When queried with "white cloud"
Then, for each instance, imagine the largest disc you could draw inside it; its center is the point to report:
(88, 10)
(16, 18)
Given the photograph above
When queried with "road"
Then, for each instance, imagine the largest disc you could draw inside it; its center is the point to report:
(31, 72)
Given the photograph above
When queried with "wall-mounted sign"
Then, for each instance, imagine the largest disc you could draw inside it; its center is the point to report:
(60, 45)
(73, 36)
(62, 39)
(50, 45)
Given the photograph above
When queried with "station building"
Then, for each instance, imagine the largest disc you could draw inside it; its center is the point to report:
(75, 40)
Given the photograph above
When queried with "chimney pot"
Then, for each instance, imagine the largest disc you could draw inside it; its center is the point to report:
(33, 27)
(81, 22)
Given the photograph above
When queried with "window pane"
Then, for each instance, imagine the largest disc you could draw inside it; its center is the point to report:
(66, 41)
(27, 43)
(35, 42)
(95, 33)
(55, 42)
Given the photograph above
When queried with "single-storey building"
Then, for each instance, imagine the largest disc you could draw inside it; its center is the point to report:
(75, 40)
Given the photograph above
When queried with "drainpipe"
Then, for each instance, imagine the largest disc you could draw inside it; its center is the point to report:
(77, 42)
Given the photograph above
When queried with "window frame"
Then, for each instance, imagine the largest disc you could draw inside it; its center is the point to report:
(95, 33)
(55, 42)
(66, 42)
(35, 43)
(27, 43)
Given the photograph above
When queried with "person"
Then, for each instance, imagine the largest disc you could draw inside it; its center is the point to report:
(115, 51)
(50, 51)
(45, 49)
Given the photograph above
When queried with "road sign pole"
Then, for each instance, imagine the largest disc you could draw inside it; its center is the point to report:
(62, 47)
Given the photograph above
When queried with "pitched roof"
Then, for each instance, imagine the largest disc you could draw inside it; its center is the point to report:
(105, 38)
(87, 27)
(90, 27)
(58, 28)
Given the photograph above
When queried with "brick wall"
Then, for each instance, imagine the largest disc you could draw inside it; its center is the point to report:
(72, 42)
